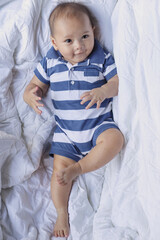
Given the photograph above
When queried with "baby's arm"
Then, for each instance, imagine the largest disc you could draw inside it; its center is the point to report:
(34, 93)
(98, 95)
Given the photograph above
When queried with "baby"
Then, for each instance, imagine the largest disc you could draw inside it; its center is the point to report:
(83, 79)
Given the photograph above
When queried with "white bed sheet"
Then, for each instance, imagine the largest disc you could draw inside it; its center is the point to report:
(117, 202)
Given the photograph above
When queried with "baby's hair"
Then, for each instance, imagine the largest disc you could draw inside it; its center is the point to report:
(72, 9)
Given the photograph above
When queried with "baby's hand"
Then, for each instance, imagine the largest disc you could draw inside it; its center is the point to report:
(33, 97)
(96, 95)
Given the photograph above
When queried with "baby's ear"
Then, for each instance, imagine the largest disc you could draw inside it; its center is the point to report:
(54, 43)
(94, 28)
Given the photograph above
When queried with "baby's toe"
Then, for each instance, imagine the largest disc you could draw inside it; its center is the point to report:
(66, 233)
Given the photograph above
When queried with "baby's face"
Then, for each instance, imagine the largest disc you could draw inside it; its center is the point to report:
(74, 38)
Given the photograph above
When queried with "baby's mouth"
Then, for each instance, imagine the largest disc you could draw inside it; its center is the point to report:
(79, 54)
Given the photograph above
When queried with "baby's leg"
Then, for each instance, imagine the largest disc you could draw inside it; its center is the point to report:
(108, 145)
(60, 196)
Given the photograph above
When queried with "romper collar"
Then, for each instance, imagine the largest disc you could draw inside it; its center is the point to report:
(97, 56)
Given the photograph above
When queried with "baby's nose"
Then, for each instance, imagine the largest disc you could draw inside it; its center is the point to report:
(79, 45)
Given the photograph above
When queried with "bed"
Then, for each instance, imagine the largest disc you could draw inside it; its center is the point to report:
(120, 201)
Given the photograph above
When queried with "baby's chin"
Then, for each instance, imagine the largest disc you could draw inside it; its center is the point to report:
(79, 58)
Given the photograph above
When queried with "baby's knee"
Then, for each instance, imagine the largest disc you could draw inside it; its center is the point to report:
(61, 162)
(112, 136)
(119, 138)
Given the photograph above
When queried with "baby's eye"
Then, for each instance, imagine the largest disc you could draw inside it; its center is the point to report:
(85, 36)
(68, 40)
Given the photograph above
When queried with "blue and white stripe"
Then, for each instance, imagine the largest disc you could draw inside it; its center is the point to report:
(77, 126)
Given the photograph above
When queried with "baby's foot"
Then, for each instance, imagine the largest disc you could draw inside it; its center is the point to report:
(61, 228)
(68, 174)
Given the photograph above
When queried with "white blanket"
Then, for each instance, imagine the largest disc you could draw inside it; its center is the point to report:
(117, 202)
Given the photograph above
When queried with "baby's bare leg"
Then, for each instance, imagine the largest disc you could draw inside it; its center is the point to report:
(60, 196)
(108, 145)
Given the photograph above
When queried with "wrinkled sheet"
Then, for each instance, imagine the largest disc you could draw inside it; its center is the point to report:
(117, 202)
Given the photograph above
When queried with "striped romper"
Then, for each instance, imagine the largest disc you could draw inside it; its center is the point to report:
(77, 128)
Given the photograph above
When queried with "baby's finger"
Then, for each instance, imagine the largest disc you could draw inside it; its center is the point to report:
(98, 104)
(34, 90)
(36, 106)
(37, 99)
(39, 105)
(86, 99)
(84, 95)
(37, 110)
(36, 103)
(91, 103)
